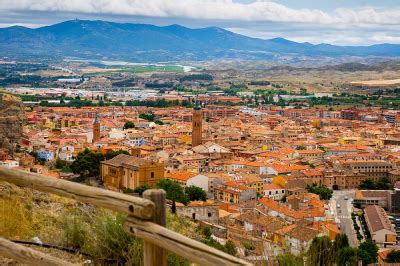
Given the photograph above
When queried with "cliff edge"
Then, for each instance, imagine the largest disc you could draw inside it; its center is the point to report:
(12, 119)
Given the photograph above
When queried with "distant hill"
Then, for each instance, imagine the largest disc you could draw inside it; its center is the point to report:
(142, 42)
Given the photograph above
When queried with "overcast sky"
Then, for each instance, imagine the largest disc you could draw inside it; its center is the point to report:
(343, 22)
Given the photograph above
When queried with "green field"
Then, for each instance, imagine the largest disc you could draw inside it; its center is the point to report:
(139, 69)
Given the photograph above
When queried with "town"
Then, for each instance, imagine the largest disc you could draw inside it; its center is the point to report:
(256, 166)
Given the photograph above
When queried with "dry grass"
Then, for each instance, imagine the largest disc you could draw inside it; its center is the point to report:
(26, 213)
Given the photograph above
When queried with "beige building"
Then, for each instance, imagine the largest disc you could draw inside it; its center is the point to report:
(379, 225)
(373, 169)
(125, 171)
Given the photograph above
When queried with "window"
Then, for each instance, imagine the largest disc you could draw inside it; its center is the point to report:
(113, 171)
(152, 174)
(194, 216)
(209, 214)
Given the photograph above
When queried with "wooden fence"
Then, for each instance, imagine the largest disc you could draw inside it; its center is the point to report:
(146, 219)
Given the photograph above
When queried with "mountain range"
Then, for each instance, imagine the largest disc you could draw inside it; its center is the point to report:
(145, 43)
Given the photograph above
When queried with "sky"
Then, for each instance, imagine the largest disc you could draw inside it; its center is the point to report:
(340, 22)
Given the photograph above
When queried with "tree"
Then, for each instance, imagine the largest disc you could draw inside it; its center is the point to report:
(147, 116)
(288, 259)
(195, 193)
(87, 163)
(323, 192)
(393, 256)
(66, 169)
(367, 184)
(319, 252)
(207, 232)
(59, 163)
(112, 154)
(173, 190)
(347, 256)
(230, 248)
(382, 184)
(341, 241)
(368, 252)
(159, 122)
(128, 124)
(142, 188)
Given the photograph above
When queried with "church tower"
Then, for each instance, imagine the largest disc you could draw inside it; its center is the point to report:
(197, 125)
(96, 129)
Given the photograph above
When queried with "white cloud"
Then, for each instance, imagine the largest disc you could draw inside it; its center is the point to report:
(331, 35)
(211, 10)
(262, 19)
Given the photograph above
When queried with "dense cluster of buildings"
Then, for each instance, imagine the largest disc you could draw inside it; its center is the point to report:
(254, 164)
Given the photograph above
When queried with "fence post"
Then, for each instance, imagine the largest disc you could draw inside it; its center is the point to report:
(152, 254)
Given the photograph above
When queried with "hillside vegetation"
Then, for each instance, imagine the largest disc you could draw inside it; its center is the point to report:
(95, 233)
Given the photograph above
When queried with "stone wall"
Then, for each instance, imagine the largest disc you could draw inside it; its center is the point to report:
(12, 119)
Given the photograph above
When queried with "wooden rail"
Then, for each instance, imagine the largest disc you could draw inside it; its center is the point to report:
(27, 255)
(135, 206)
(179, 244)
(146, 219)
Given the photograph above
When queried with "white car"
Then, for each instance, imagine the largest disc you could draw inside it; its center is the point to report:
(346, 198)
(338, 205)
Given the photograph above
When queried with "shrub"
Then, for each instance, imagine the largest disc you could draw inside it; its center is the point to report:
(108, 240)
(207, 232)
(248, 246)
(230, 248)
(75, 230)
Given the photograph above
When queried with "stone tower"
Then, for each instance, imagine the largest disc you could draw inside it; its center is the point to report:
(96, 129)
(197, 125)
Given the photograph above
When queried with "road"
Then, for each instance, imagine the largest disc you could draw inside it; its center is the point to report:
(343, 213)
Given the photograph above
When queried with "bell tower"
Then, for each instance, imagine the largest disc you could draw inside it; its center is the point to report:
(96, 129)
(197, 125)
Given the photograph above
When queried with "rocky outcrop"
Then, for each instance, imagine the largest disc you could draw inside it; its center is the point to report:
(12, 119)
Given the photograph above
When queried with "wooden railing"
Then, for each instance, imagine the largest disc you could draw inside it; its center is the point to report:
(146, 219)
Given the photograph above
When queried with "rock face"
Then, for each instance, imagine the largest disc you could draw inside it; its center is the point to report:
(12, 118)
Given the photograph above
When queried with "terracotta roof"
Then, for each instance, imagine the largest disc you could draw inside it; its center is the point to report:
(310, 151)
(123, 159)
(313, 172)
(361, 194)
(377, 218)
(271, 186)
(303, 233)
(182, 176)
(235, 184)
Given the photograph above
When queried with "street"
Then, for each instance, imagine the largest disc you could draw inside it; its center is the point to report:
(343, 213)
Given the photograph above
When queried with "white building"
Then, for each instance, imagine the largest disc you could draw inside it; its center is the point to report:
(9, 164)
(273, 191)
(66, 156)
(186, 179)
(116, 134)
